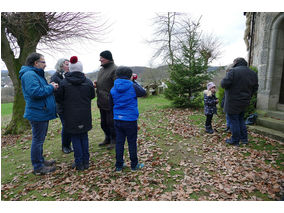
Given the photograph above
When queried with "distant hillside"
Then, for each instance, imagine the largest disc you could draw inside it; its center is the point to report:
(50, 72)
(4, 73)
(145, 74)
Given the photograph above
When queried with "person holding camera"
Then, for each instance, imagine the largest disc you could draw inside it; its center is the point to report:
(123, 100)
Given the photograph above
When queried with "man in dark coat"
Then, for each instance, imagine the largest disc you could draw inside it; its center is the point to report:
(240, 84)
(104, 83)
(75, 94)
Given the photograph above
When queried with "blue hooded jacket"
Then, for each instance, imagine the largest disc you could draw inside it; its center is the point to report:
(124, 99)
(38, 94)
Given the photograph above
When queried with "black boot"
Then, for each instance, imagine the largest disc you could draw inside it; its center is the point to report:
(86, 165)
(212, 130)
(66, 150)
(111, 145)
(209, 129)
(80, 167)
(105, 142)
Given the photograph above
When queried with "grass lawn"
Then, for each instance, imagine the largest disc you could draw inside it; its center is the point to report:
(182, 162)
(6, 109)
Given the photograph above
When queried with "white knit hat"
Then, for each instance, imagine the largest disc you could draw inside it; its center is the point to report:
(210, 85)
(75, 65)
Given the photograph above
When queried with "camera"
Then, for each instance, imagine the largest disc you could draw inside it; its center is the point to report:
(134, 77)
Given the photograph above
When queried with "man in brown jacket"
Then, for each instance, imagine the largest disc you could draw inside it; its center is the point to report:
(105, 81)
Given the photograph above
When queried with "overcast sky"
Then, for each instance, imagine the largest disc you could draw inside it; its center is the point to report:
(127, 39)
(132, 27)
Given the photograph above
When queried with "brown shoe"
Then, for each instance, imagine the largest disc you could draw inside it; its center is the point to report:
(104, 143)
(111, 146)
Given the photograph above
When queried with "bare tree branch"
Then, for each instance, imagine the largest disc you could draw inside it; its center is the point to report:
(21, 33)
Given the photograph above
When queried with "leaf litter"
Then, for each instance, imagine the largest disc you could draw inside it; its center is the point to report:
(181, 163)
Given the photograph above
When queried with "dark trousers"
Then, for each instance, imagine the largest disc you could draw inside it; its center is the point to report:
(81, 148)
(107, 123)
(126, 129)
(39, 131)
(238, 127)
(65, 137)
(208, 119)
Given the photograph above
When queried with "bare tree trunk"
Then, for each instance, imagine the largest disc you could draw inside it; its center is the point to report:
(17, 124)
(171, 23)
(22, 31)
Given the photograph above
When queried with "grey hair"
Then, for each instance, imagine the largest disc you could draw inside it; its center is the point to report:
(58, 65)
(230, 66)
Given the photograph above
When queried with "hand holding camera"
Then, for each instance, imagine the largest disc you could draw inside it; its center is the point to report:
(134, 77)
(55, 85)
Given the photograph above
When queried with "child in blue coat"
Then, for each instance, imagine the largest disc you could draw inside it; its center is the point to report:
(123, 100)
(210, 108)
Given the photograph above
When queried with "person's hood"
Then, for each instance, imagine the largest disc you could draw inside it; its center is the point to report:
(121, 85)
(75, 78)
(25, 69)
(207, 92)
(240, 62)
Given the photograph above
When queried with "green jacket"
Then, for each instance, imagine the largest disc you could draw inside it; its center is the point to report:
(105, 81)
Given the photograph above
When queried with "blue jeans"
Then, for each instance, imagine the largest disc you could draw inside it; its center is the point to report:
(39, 131)
(123, 130)
(228, 121)
(238, 128)
(81, 148)
(65, 137)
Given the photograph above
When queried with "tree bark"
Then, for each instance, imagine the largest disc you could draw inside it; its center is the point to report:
(18, 123)
(22, 31)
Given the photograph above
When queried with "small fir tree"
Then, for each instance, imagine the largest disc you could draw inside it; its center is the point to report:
(188, 73)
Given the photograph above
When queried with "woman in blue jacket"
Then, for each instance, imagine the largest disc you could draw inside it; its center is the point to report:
(40, 108)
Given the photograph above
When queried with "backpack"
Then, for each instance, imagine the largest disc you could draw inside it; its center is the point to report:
(251, 119)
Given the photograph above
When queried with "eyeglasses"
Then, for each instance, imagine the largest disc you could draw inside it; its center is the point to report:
(42, 62)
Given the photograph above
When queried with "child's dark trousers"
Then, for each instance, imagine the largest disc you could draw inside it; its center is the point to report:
(123, 130)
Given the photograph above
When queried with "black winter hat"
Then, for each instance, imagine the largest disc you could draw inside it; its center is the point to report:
(107, 55)
(122, 71)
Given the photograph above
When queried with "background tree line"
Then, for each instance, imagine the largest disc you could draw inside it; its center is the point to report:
(23, 32)
(184, 48)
